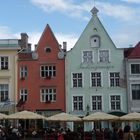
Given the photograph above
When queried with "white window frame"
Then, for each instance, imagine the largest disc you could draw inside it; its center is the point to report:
(97, 103)
(131, 91)
(47, 72)
(77, 79)
(45, 92)
(115, 79)
(131, 69)
(115, 103)
(24, 94)
(99, 55)
(79, 95)
(91, 61)
(23, 71)
(96, 81)
(4, 63)
(4, 89)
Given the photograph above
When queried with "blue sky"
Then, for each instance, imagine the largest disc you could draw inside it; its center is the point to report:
(68, 19)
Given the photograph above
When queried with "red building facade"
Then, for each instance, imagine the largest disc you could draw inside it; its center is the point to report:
(41, 75)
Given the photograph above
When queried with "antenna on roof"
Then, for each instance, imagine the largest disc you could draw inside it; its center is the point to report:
(130, 45)
(94, 3)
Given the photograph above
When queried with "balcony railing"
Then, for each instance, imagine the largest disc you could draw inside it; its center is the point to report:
(9, 42)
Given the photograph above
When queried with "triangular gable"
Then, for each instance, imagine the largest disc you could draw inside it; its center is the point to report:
(94, 27)
(135, 53)
(47, 37)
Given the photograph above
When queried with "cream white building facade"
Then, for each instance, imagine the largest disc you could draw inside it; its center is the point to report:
(8, 74)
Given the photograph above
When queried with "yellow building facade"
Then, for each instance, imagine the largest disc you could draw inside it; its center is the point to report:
(8, 75)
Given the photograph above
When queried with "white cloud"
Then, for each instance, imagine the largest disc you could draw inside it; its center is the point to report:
(132, 1)
(34, 38)
(118, 11)
(72, 9)
(121, 39)
(124, 37)
(67, 7)
(69, 38)
(5, 33)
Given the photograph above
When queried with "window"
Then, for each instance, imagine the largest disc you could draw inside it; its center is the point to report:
(23, 71)
(4, 92)
(96, 103)
(95, 41)
(115, 102)
(135, 89)
(48, 71)
(104, 55)
(114, 79)
(87, 57)
(48, 50)
(77, 103)
(135, 68)
(96, 79)
(23, 94)
(4, 62)
(77, 79)
(48, 94)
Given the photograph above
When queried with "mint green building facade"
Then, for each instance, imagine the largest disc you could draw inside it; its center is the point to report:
(95, 74)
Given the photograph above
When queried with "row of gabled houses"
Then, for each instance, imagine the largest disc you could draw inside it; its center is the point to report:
(93, 76)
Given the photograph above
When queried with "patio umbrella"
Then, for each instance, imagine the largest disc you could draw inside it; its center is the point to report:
(64, 117)
(3, 116)
(131, 117)
(100, 116)
(26, 115)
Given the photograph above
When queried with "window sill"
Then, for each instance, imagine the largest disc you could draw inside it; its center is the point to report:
(76, 88)
(4, 69)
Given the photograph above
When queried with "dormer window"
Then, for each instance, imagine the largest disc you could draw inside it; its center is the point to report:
(48, 49)
(95, 41)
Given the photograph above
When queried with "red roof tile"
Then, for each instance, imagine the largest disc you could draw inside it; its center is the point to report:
(127, 51)
(135, 52)
(25, 56)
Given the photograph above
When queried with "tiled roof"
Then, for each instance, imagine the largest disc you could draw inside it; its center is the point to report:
(133, 53)
(25, 56)
(127, 51)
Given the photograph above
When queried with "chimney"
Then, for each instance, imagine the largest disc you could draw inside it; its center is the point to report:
(24, 41)
(64, 46)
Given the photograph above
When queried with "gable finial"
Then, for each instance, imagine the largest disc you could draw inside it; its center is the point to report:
(94, 10)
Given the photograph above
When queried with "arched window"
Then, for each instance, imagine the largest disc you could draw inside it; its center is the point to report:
(95, 41)
(48, 49)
